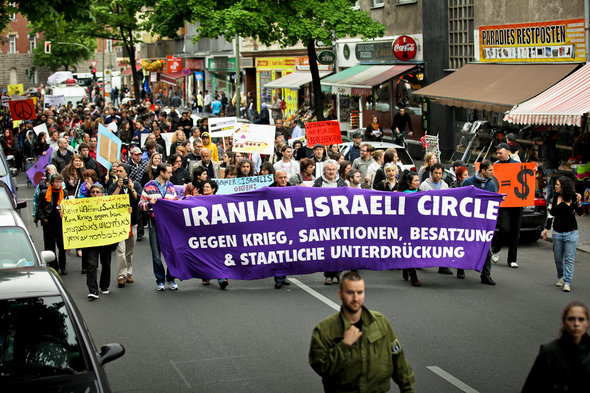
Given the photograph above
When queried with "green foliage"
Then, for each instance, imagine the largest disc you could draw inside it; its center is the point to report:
(38, 10)
(68, 44)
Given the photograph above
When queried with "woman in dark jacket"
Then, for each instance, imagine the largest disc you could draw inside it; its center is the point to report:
(41, 144)
(180, 176)
(50, 214)
(563, 365)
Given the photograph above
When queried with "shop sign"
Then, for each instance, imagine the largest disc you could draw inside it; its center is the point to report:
(326, 56)
(193, 64)
(405, 48)
(173, 64)
(222, 64)
(275, 63)
(554, 41)
(302, 64)
(375, 51)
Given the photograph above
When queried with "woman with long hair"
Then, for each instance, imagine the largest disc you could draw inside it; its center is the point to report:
(150, 171)
(199, 177)
(267, 169)
(245, 168)
(374, 131)
(41, 144)
(429, 160)
(73, 175)
(410, 182)
(563, 365)
(566, 203)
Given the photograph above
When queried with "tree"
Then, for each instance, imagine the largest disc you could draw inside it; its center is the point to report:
(69, 46)
(122, 21)
(35, 11)
(286, 22)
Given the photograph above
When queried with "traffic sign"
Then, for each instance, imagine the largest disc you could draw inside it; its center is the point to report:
(186, 71)
(93, 63)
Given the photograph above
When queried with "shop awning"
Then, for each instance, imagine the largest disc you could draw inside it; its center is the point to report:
(171, 78)
(565, 103)
(359, 80)
(294, 80)
(494, 87)
(127, 71)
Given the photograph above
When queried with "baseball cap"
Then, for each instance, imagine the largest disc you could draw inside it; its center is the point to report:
(503, 146)
(318, 145)
(136, 150)
(357, 135)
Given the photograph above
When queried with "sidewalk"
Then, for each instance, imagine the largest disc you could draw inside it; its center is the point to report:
(583, 233)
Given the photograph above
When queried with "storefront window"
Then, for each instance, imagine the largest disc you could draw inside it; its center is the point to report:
(265, 94)
(379, 100)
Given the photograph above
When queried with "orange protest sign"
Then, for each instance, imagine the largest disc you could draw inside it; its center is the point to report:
(323, 132)
(22, 110)
(517, 181)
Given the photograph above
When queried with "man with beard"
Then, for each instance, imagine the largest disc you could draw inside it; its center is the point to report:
(357, 350)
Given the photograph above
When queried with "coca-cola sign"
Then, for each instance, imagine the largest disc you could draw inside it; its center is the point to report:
(404, 48)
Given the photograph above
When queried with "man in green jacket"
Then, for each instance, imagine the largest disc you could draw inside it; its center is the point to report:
(356, 350)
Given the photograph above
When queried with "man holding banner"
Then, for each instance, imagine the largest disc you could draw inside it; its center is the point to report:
(159, 188)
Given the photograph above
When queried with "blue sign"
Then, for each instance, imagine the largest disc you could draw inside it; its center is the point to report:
(108, 148)
(199, 76)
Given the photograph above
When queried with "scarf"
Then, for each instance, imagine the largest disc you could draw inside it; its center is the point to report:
(50, 190)
(375, 126)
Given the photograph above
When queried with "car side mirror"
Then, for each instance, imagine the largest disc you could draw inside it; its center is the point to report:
(110, 352)
(47, 256)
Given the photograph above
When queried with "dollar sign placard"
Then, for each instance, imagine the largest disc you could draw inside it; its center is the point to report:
(523, 191)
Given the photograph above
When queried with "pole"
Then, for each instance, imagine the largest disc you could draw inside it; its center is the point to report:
(103, 78)
(238, 103)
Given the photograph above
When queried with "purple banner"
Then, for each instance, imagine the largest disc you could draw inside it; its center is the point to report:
(36, 173)
(301, 230)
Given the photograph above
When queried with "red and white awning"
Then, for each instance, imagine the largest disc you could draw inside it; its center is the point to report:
(565, 103)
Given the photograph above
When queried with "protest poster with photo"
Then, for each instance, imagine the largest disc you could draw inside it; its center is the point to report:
(254, 138)
(323, 132)
(97, 221)
(54, 100)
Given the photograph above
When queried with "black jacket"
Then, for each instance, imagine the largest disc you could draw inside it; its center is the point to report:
(47, 210)
(561, 366)
(61, 160)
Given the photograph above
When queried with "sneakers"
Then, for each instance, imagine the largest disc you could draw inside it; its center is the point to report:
(173, 285)
(222, 284)
(92, 296)
(513, 265)
(121, 282)
(559, 283)
(104, 291)
(328, 281)
(161, 287)
(566, 287)
(495, 257)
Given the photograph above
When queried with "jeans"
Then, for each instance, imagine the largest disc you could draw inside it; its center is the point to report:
(162, 275)
(509, 219)
(564, 251)
(549, 188)
(124, 255)
(92, 255)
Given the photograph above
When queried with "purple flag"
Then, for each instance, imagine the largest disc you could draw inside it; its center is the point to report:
(36, 173)
(301, 230)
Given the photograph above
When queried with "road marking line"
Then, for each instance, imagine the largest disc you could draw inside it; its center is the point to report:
(449, 378)
(188, 385)
(315, 294)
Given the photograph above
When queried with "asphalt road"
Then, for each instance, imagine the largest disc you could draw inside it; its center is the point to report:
(458, 335)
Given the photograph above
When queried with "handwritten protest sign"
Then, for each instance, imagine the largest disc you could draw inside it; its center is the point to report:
(254, 138)
(323, 132)
(91, 222)
(301, 230)
(54, 100)
(15, 89)
(517, 181)
(22, 110)
(36, 173)
(242, 184)
(108, 149)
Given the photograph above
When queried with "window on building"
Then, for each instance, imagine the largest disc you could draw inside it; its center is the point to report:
(33, 76)
(109, 46)
(461, 27)
(13, 16)
(12, 44)
(32, 42)
(13, 76)
(377, 3)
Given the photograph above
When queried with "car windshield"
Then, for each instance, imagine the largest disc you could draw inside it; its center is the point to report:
(16, 250)
(37, 339)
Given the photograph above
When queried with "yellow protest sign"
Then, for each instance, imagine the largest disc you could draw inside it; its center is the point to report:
(15, 89)
(16, 123)
(96, 221)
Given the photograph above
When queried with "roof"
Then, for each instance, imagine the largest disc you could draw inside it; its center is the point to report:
(27, 282)
(565, 103)
(359, 80)
(172, 77)
(494, 87)
(127, 71)
(294, 80)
